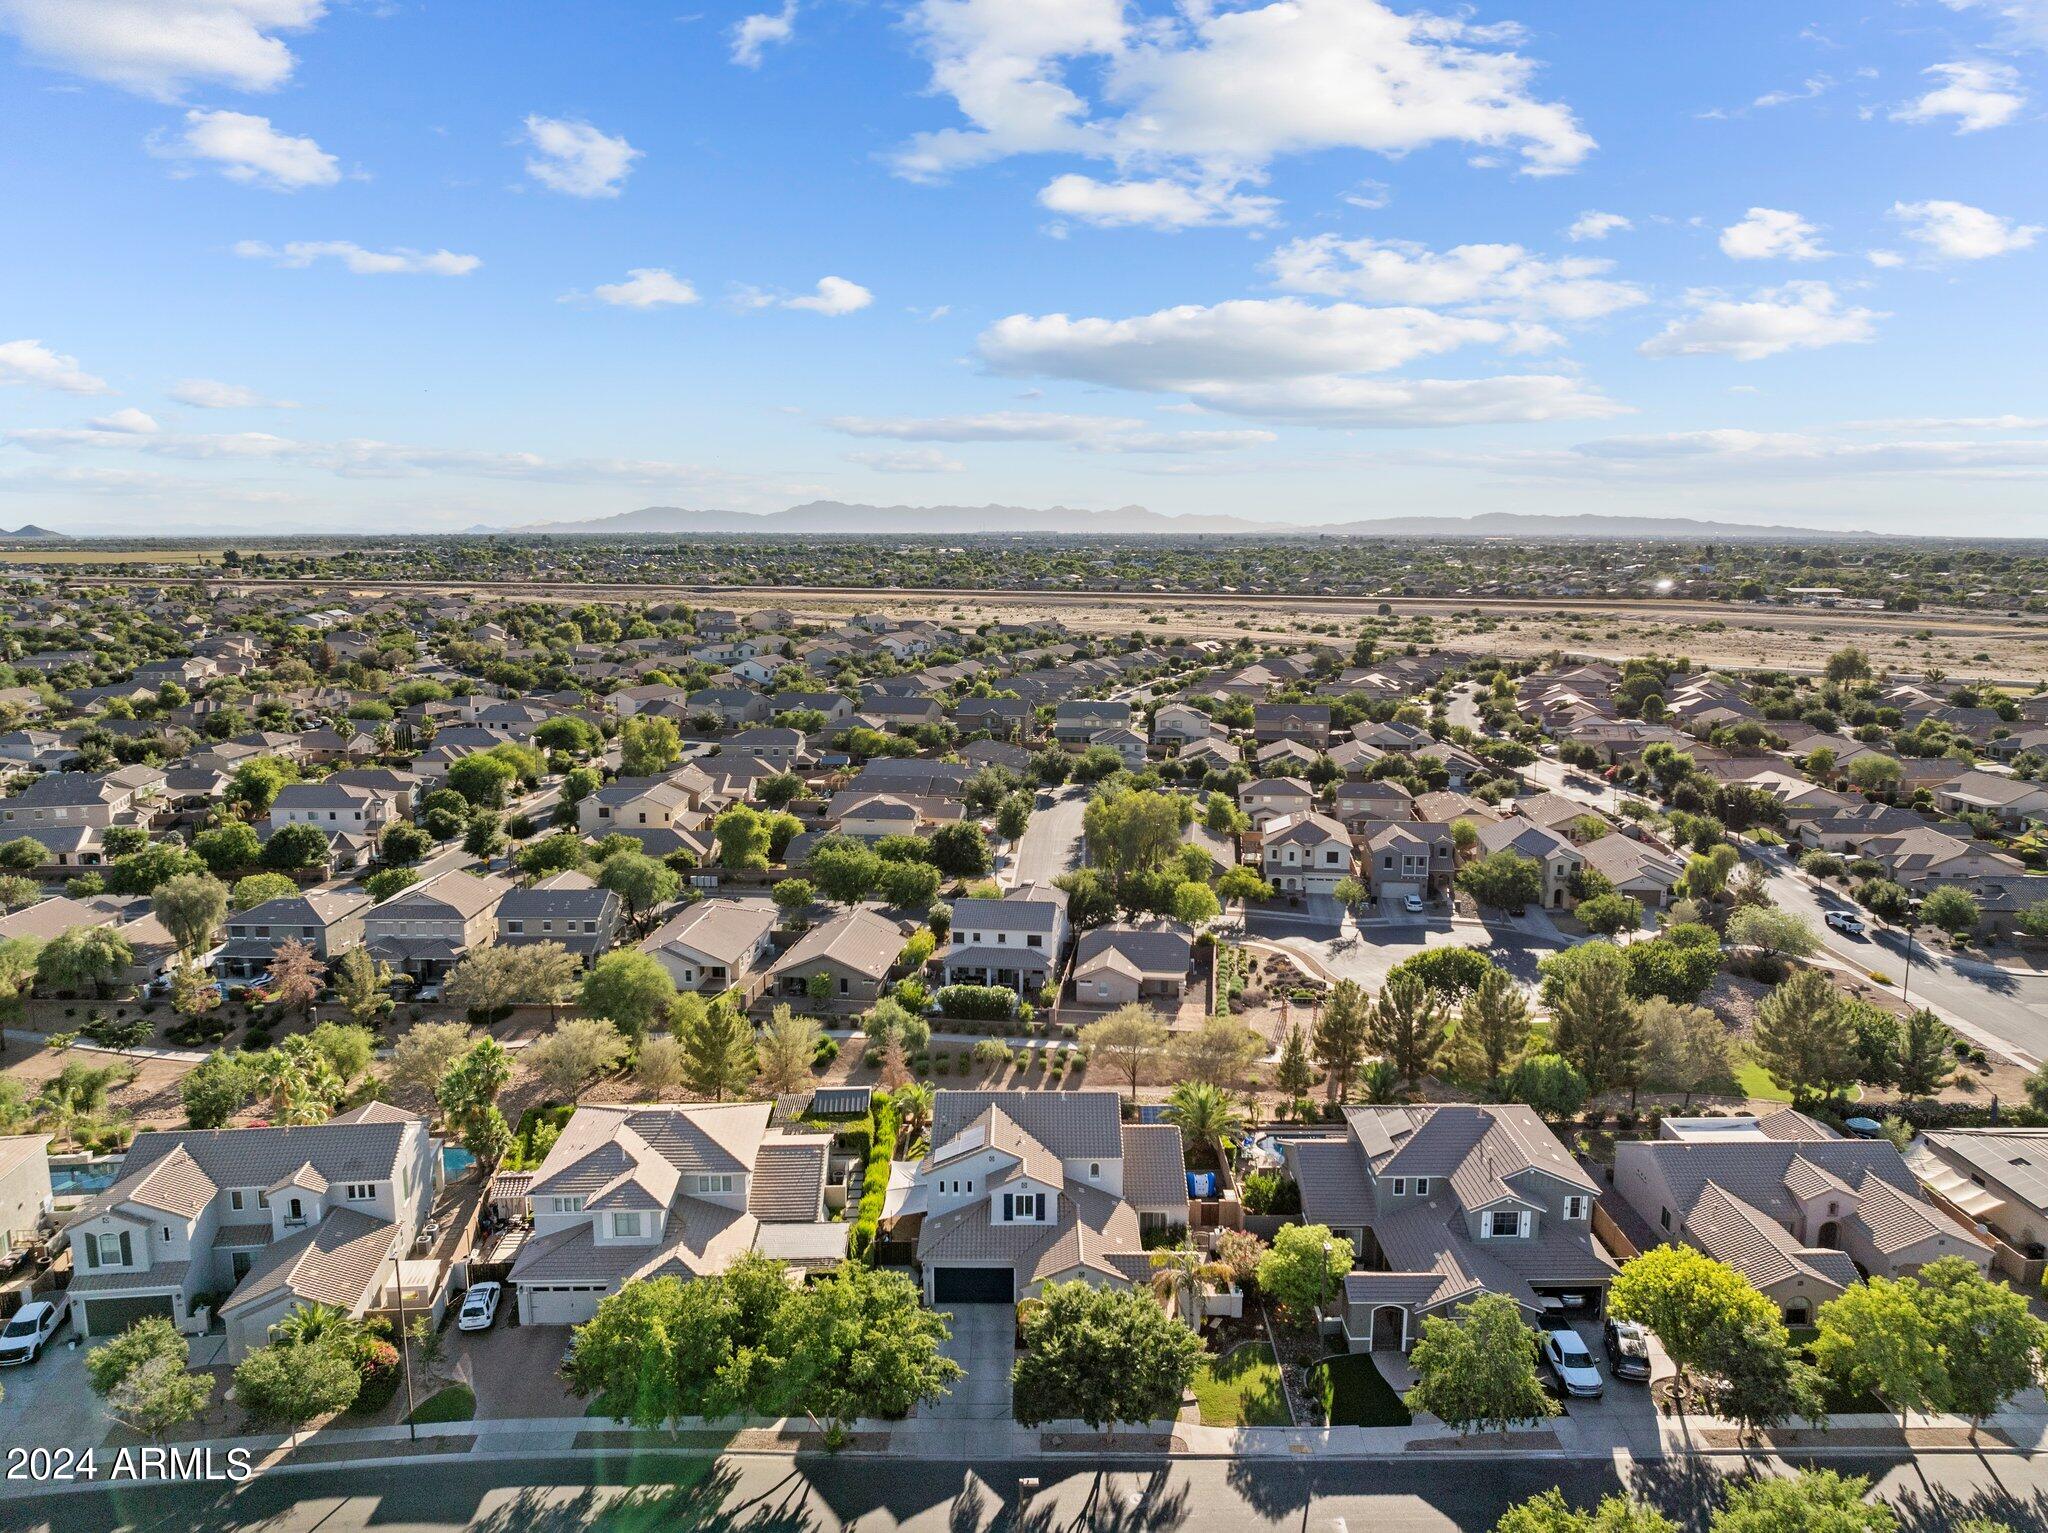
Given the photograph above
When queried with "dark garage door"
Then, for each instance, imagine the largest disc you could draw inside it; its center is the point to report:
(973, 1285)
(110, 1317)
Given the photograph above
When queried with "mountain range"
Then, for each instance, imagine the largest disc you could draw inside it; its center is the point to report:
(29, 532)
(830, 518)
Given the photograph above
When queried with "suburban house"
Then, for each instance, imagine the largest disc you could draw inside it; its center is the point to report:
(667, 1190)
(25, 1197)
(1272, 798)
(1015, 941)
(1024, 1188)
(1305, 853)
(1149, 960)
(1075, 722)
(331, 807)
(1408, 857)
(253, 1223)
(1306, 722)
(713, 944)
(2011, 801)
(640, 802)
(569, 907)
(329, 921)
(854, 951)
(1443, 1203)
(1176, 724)
(424, 931)
(1800, 1217)
(1645, 873)
(67, 799)
(1997, 1179)
(1553, 853)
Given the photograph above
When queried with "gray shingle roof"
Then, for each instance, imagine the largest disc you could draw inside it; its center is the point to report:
(1071, 1124)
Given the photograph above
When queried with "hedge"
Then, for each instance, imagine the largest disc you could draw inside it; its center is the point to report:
(874, 1182)
(978, 1003)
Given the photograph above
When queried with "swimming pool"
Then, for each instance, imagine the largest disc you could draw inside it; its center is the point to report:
(82, 1180)
(455, 1160)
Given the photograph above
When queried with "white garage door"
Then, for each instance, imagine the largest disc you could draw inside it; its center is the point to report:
(557, 1304)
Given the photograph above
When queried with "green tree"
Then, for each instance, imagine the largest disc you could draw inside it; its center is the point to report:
(215, 1090)
(787, 1049)
(1408, 1025)
(1129, 1042)
(1204, 1114)
(1610, 914)
(859, 1342)
(228, 848)
(1926, 1057)
(1596, 1024)
(719, 1055)
(1811, 1501)
(1952, 910)
(1686, 1048)
(1548, 1083)
(1769, 930)
(1988, 1339)
(1551, 1513)
(1340, 1035)
(844, 869)
(1220, 1052)
(1689, 1301)
(85, 957)
(153, 1336)
(1503, 880)
(426, 1051)
(577, 1051)
(362, 986)
(1294, 1072)
(648, 746)
(630, 989)
(1133, 830)
(960, 850)
(1495, 1017)
(662, 1349)
(1103, 1356)
(292, 847)
(1804, 1038)
(1303, 1269)
(743, 839)
(1478, 1370)
(261, 888)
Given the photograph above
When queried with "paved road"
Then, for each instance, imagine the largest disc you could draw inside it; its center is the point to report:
(1051, 844)
(819, 1495)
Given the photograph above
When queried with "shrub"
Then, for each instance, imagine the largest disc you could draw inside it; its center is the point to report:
(978, 1003)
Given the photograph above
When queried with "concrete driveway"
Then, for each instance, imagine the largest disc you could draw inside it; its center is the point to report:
(49, 1403)
(984, 1342)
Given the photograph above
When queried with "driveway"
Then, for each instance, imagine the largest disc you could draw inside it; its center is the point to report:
(1378, 948)
(49, 1403)
(984, 1342)
(512, 1368)
(1051, 843)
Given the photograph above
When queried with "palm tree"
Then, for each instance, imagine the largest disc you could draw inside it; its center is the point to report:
(1180, 1274)
(913, 1102)
(1380, 1080)
(325, 1325)
(1204, 1114)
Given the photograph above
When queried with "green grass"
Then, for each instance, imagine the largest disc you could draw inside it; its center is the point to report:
(1355, 1394)
(1755, 1083)
(455, 1403)
(1241, 1389)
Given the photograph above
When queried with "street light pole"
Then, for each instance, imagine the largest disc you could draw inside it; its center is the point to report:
(412, 1430)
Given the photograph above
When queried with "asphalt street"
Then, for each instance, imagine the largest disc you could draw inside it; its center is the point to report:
(744, 1494)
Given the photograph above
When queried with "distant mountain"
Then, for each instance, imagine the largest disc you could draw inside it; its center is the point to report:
(30, 533)
(826, 518)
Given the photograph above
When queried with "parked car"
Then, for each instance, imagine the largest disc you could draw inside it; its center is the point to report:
(1628, 1351)
(1412, 904)
(479, 1307)
(427, 993)
(24, 1336)
(1573, 1364)
(1844, 922)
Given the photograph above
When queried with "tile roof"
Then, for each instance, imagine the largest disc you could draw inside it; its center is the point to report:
(338, 1261)
(1071, 1124)
(788, 1184)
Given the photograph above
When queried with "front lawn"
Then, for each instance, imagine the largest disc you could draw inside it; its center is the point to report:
(455, 1403)
(1355, 1394)
(1241, 1389)
(1755, 1082)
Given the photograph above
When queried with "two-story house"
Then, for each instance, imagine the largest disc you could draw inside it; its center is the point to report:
(1077, 721)
(1443, 1203)
(1266, 799)
(425, 930)
(569, 907)
(1553, 853)
(68, 799)
(663, 1190)
(25, 1195)
(714, 944)
(332, 807)
(1305, 853)
(1024, 1188)
(1407, 857)
(1307, 722)
(251, 1223)
(1014, 941)
(639, 803)
(329, 921)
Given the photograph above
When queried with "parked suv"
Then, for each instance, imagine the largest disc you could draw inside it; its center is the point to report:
(1628, 1351)
(22, 1339)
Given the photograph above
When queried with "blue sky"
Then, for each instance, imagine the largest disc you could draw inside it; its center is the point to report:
(336, 265)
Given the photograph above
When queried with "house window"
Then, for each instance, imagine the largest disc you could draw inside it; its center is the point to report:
(361, 1192)
(1503, 1224)
(626, 1225)
(235, 1199)
(1094, 1169)
(1664, 1217)
(109, 1250)
(1400, 1186)
(568, 1205)
(1422, 1187)
(1575, 1207)
(515, 928)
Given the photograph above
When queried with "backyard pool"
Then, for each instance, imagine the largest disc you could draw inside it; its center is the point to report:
(455, 1161)
(84, 1180)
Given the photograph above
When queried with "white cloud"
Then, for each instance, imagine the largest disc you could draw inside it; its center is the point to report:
(368, 263)
(752, 34)
(1286, 359)
(1955, 231)
(647, 287)
(1772, 234)
(576, 159)
(248, 149)
(1813, 85)
(1595, 225)
(1155, 204)
(1486, 278)
(833, 296)
(2025, 21)
(32, 362)
(1211, 96)
(1976, 93)
(908, 460)
(1092, 433)
(1717, 456)
(1796, 317)
(207, 394)
(157, 48)
(132, 421)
